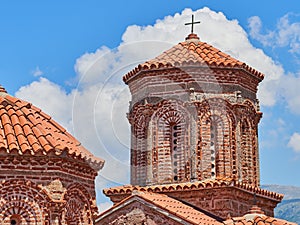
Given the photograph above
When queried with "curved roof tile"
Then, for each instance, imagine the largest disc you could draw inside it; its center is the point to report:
(25, 129)
(212, 183)
(161, 202)
(256, 216)
(195, 53)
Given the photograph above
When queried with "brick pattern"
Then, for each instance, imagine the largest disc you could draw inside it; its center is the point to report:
(222, 197)
(23, 198)
(25, 129)
(225, 145)
(137, 213)
(194, 117)
(46, 190)
(150, 208)
(46, 175)
(211, 98)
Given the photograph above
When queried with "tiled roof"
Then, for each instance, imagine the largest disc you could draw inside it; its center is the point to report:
(192, 52)
(209, 183)
(192, 215)
(25, 129)
(171, 206)
(256, 217)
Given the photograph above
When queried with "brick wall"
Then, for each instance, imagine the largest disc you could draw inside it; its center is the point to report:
(219, 199)
(46, 190)
(222, 143)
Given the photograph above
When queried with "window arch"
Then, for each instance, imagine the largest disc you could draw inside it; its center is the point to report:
(246, 162)
(24, 204)
(168, 147)
(78, 208)
(216, 145)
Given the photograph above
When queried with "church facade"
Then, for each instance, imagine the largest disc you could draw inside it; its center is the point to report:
(194, 117)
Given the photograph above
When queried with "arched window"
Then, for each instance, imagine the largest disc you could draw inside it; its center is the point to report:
(246, 152)
(169, 146)
(214, 136)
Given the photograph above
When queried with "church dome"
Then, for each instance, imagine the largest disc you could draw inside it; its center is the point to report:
(27, 130)
(192, 52)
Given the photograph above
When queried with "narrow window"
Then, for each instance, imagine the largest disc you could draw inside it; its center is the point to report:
(175, 150)
(213, 144)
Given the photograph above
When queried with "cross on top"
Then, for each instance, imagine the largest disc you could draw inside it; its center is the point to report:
(192, 23)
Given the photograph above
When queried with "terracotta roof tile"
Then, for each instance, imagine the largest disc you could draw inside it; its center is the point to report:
(192, 52)
(28, 130)
(256, 217)
(172, 206)
(219, 182)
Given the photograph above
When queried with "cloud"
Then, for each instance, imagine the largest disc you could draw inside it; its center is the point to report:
(37, 72)
(95, 112)
(255, 25)
(217, 30)
(286, 34)
(294, 142)
(291, 92)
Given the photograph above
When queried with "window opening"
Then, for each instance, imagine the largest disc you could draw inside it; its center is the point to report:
(174, 150)
(213, 135)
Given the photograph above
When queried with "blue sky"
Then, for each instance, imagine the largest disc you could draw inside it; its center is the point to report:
(70, 55)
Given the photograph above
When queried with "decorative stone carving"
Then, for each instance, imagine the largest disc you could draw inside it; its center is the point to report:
(135, 217)
(55, 189)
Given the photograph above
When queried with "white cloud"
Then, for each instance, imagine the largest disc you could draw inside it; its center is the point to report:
(37, 72)
(294, 142)
(255, 25)
(217, 30)
(286, 34)
(95, 112)
(290, 91)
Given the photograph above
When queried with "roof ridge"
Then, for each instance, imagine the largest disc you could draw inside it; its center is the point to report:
(208, 183)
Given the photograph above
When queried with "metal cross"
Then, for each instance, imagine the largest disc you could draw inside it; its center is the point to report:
(192, 23)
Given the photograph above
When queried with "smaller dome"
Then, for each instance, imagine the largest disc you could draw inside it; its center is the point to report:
(26, 129)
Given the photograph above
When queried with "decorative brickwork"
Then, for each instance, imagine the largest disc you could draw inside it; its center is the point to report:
(214, 109)
(220, 197)
(46, 190)
(194, 131)
(174, 141)
(144, 208)
(46, 176)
